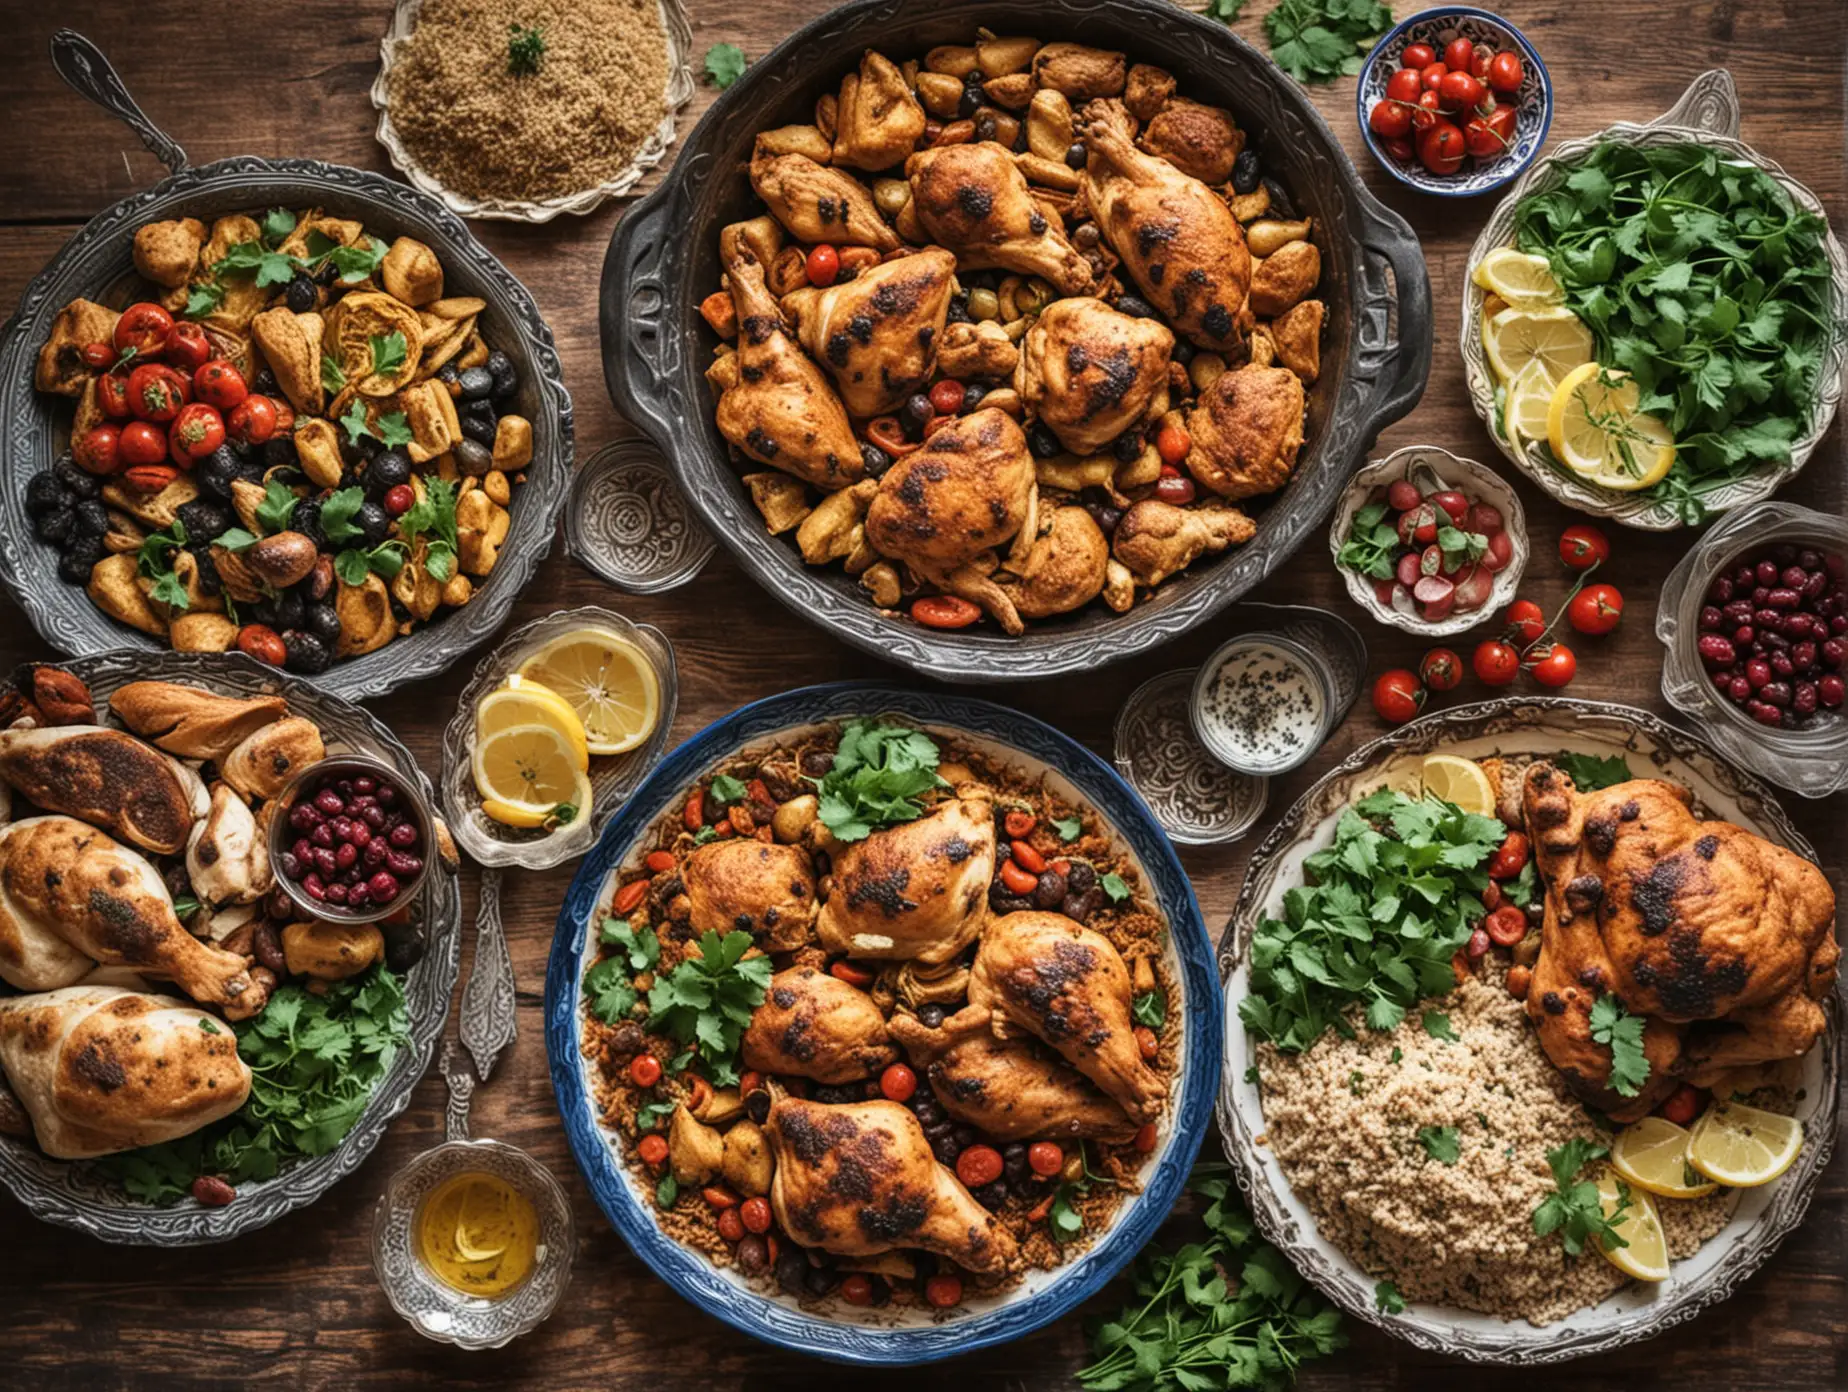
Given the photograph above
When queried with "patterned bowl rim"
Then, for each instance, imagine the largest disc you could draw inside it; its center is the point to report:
(1518, 1343)
(1128, 762)
(772, 1320)
(1421, 179)
(51, 1189)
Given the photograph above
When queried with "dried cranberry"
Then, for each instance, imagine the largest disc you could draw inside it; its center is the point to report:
(384, 887)
(403, 836)
(329, 803)
(1715, 651)
(304, 816)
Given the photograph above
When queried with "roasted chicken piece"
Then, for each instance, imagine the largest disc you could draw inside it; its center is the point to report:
(1721, 941)
(1173, 234)
(61, 367)
(877, 120)
(1065, 568)
(814, 1025)
(227, 858)
(1090, 372)
(781, 411)
(1247, 430)
(860, 1179)
(914, 891)
(974, 200)
(877, 333)
(746, 885)
(33, 955)
(1065, 983)
(1006, 1088)
(108, 778)
(1155, 539)
(1202, 142)
(192, 723)
(818, 204)
(263, 762)
(966, 490)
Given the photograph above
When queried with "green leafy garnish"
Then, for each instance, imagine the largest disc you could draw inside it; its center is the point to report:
(725, 64)
(1437, 1025)
(1521, 889)
(269, 267)
(277, 507)
(203, 298)
(709, 1000)
(1069, 828)
(354, 263)
(726, 790)
(433, 517)
(1115, 886)
(1385, 908)
(642, 949)
(1151, 1009)
(338, 513)
(236, 539)
(1320, 40)
(1589, 773)
(355, 563)
(185, 906)
(278, 223)
(1063, 1218)
(705, 834)
(1372, 545)
(1573, 1209)
(667, 1191)
(1387, 1300)
(395, 430)
(1227, 10)
(611, 993)
(1441, 1143)
(356, 422)
(154, 561)
(525, 51)
(879, 772)
(650, 1115)
(388, 352)
(1460, 547)
(1622, 1033)
(333, 380)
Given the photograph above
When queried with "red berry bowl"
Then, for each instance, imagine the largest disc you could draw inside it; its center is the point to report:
(351, 841)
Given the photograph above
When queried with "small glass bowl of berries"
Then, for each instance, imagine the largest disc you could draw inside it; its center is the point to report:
(351, 840)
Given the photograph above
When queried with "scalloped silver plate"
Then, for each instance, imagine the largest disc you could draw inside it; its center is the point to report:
(1761, 1218)
(629, 524)
(71, 1194)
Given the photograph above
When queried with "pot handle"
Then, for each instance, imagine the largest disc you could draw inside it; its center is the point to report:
(639, 354)
(1402, 362)
(88, 73)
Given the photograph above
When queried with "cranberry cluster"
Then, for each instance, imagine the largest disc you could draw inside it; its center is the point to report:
(1774, 634)
(355, 846)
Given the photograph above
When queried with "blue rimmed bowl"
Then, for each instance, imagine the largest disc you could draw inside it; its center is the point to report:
(1533, 102)
(833, 1329)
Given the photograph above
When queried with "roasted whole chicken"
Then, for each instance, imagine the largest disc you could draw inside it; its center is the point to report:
(974, 200)
(915, 891)
(877, 333)
(1721, 941)
(1090, 372)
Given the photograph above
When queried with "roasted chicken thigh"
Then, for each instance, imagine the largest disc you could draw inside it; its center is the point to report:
(761, 888)
(1246, 432)
(966, 490)
(814, 1025)
(974, 200)
(915, 891)
(877, 333)
(1090, 372)
(1155, 539)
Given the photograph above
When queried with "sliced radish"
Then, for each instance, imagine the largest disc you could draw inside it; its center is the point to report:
(1408, 570)
(1453, 503)
(1431, 561)
(1383, 591)
(1433, 588)
(1500, 552)
(1474, 588)
(1484, 517)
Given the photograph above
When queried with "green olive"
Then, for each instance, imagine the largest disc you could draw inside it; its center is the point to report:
(984, 304)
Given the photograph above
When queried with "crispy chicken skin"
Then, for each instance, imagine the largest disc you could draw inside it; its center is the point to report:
(1156, 539)
(860, 1179)
(1247, 431)
(1722, 942)
(814, 1025)
(190, 722)
(819, 204)
(966, 490)
(34, 956)
(106, 777)
(877, 333)
(915, 891)
(1090, 372)
(1175, 236)
(974, 200)
(761, 888)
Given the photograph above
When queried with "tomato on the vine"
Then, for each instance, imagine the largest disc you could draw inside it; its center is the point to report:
(1391, 119)
(1459, 55)
(1397, 696)
(1441, 148)
(1505, 72)
(156, 392)
(186, 346)
(1461, 92)
(1441, 669)
(144, 328)
(142, 443)
(220, 384)
(1495, 663)
(1595, 609)
(1481, 138)
(1556, 667)
(1526, 620)
(1582, 547)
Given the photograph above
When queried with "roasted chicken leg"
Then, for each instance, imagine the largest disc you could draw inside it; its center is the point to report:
(974, 200)
(819, 204)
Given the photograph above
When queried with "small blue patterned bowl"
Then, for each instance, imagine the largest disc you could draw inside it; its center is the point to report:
(1533, 102)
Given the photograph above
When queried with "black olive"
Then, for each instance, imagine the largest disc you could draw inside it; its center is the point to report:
(875, 460)
(263, 612)
(817, 762)
(1075, 155)
(479, 431)
(1080, 877)
(1246, 171)
(476, 383)
(74, 566)
(374, 521)
(473, 457)
(306, 653)
(203, 520)
(757, 1105)
(992, 1196)
(1004, 903)
(265, 383)
(501, 368)
(972, 398)
(1049, 893)
(1106, 516)
(958, 312)
(306, 519)
(291, 609)
(326, 273)
(92, 517)
(792, 1268)
(924, 1107)
(917, 412)
(970, 102)
(1128, 446)
(351, 451)
(303, 294)
(404, 945)
(1014, 1162)
(1042, 441)
(820, 1281)
(1536, 912)
(930, 1016)
(1182, 352)
(449, 374)
(79, 483)
(46, 493)
(391, 468)
(1135, 307)
(279, 452)
(946, 1150)
(210, 582)
(57, 526)
(985, 126)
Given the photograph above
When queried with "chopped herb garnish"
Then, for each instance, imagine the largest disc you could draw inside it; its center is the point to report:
(1574, 1210)
(1387, 1300)
(726, 790)
(879, 773)
(1069, 828)
(1588, 772)
(1622, 1033)
(1437, 1025)
(525, 51)
(1115, 886)
(1441, 1143)
(725, 64)
(1151, 1009)
(709, 999)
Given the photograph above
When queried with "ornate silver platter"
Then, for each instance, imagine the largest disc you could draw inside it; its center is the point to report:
(1707, 115)
(73, 1194)
(1197, 799)
(1761, 1218)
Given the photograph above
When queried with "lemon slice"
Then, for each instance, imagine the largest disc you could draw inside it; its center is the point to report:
(466, 1221)
(1519, 335)
(1460, 781)
(1519, 277)
(1597, 432)
(527, 773)
(523, 701)
(1530, 397)
(1743, 1146)
(1646, 1257)
(1653, 1154)
(607, 680)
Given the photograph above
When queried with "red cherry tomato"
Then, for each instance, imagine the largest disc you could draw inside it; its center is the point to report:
(945, 611)
(1391, 119)
(898, 1083)
(1404, 86)
(1482, 140)
(824, 265)
(1045, 1158)
(99, 450)
(1453, 503)
(1441, 148)
(1510, 859)
(1400, 150)
(857, 1289)
(1418, 56)
(1495, 663)
(979, 1165)
(1459, 54)
(220, 384)
(400, 499)
(143, 443)
(644, 1070)
(1501, 121)
(1397, 696)
(98, 355)
(946, 397)
(143, 327)
(1440, 669)
(252, 420)
(195, 433)
(156, 392)
(1595, 609)
(1427, 112)
(944, 1292)
(1582, 547)
(1683, 1105)
(756, 1215)
(1506, 926)
(1505, 72)
(1432, 75)
(1526, 622)
(112, 396)
(187, 347)
(1461, 92)
(1173, 444)
(1556, 667)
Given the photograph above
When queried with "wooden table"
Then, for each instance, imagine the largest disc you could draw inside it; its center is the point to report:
(297, 1304)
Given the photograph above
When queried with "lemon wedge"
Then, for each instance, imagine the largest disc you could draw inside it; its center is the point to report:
(1653, 1154)
(1530, 398)
(1646, 1257)
(523, 701)
(1519, 277)
(1520, 335)
(1743, 1146)
(1597, 432)
(1459, 781)
(528, 775)
(607, 680)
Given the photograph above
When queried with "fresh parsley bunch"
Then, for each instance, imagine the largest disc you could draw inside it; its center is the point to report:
(708, 1000)
(879, 773)
(1574, 1210)
(1320, 40)
(1385, 909)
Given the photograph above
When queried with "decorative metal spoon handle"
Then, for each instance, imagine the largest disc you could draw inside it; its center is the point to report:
(488, 1023)
(82, 64)
(461, 1089)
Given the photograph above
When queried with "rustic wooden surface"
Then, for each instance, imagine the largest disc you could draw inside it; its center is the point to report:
(297, 1304)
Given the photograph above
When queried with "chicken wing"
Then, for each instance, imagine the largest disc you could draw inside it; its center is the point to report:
(974, 200)
(814, 1025)
(751, 886)
(1090, 372)
(1175, 236)
(877, 333)
(878, 120)
(914, 891)
(819, 204)
(1065, 983)
(967, 490)
(1155, 539)
(860, 1179)
(1247, 430)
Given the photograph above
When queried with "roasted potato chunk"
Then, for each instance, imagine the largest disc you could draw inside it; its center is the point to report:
(114, 590)
(1147, 90)
(166, 252)
(60, 361)
(291, 345)
(1297, 336)
(365, 617)
(1080, 72)
(782, 500)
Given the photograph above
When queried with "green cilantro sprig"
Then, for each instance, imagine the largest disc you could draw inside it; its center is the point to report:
(525, 49)
(1589, 772)
(879, 773)
(708, 1000)
(1574, 1210)
(154, 561)
(1151, 1009)
(1622, 1033)
(725, 64)
(1320, 40)
(1441, 1143)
